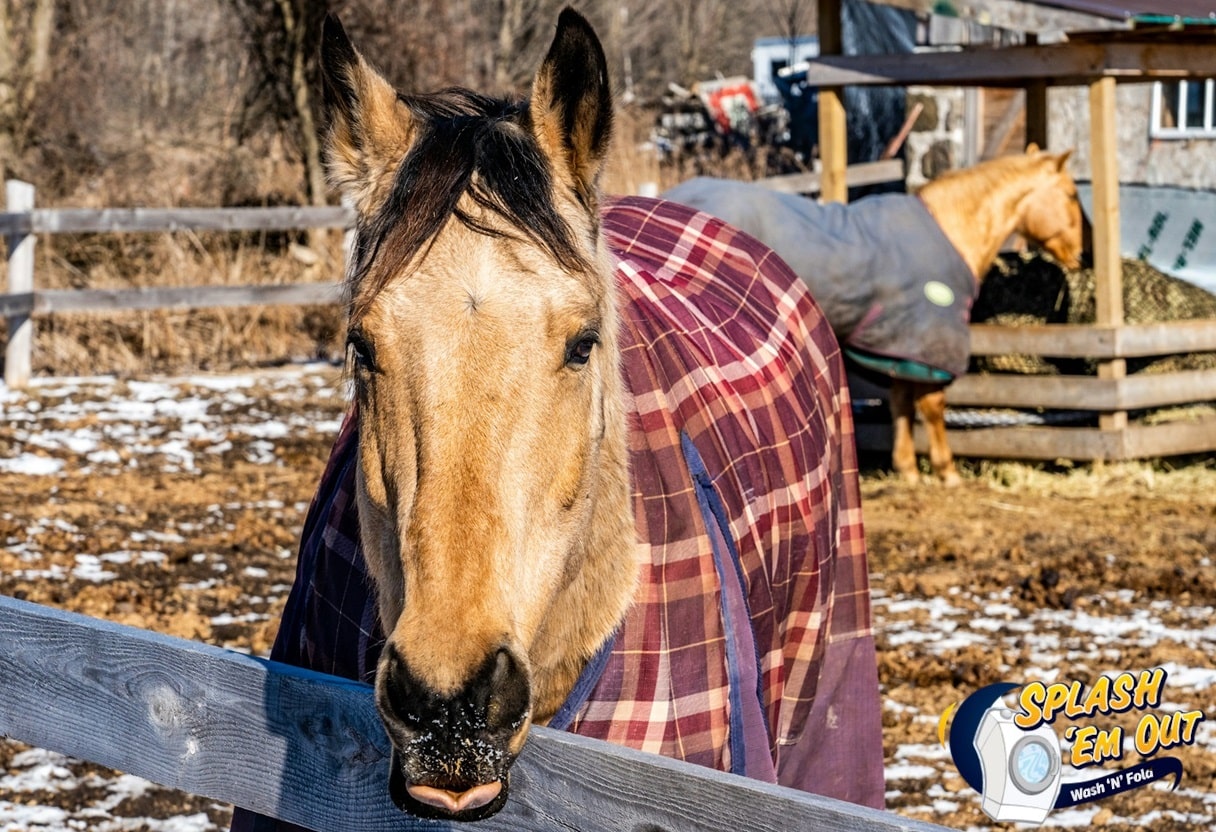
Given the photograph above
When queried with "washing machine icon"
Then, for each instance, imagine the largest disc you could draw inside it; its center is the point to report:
(1021, 768)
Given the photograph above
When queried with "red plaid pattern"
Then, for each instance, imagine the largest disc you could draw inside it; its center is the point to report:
(720, 342)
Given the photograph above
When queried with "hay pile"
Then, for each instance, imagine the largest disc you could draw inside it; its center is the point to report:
(1025, 289)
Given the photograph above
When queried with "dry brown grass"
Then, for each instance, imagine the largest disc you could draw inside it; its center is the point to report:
(630, 164)
(634, 161)
(1186, 478)
(129, 343)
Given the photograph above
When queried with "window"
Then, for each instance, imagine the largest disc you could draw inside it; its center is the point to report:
(1183, 110)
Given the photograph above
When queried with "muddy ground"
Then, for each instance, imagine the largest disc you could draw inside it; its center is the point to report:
(175, 505)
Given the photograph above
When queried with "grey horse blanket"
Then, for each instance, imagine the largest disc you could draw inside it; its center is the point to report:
(890, 282)
(748, 647)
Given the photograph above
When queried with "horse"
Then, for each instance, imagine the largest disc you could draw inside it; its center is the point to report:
(598, 471)
(896, 274)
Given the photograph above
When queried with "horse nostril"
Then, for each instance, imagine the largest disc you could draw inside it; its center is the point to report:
(399, 693)
(509, 694)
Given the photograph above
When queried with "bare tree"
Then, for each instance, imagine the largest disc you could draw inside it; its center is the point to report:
(523, 30)
(793, 19)
(25, 39)
(282, 36)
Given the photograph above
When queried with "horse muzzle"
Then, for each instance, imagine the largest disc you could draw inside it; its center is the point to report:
(452, 752)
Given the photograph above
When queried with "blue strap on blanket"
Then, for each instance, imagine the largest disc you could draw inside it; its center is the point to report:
(739, 645)
(582, 689)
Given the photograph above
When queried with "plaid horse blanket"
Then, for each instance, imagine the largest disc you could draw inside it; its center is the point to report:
(894, 288)
(748, 647)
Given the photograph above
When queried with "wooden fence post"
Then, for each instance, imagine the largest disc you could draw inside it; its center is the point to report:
(1036, 105)
(1108, 260)
(19, 197)
(833, 139)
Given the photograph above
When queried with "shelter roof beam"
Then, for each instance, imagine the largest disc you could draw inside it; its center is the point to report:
(1056, 64)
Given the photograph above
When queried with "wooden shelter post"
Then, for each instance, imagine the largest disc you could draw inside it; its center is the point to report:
(833, 139)
(1108, 261)
(1036, 105)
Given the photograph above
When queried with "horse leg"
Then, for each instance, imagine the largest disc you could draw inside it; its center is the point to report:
(931, 402)
(903, 451)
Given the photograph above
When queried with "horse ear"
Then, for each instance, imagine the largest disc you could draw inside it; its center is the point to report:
(572, 104)
(1032, 149)
(370, 128)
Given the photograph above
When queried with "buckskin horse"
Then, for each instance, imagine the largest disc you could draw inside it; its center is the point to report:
(896, 274)
(599, 468)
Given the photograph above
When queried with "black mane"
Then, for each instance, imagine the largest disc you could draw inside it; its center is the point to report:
(465, 143)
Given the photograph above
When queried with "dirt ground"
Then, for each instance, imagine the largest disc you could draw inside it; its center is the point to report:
(139, 515)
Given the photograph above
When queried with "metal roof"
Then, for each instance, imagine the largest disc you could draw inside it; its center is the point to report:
(1057, 17)
(1149, 11)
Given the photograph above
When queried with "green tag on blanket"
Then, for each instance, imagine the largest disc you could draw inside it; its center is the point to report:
(901, 368)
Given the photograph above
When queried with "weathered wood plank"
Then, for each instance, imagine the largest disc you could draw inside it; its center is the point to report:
(1084, 341)
(864, 173)
(309, 748)
(1009, 390)
(14, 305)
(1192, 437)
(184, 297)
(82, 220)
(1057, 64)
(15, 222)
(1134, 341)
(1083, 392)
(1034, 442)
(1163, 389)
(91, 220)
(1022, 442)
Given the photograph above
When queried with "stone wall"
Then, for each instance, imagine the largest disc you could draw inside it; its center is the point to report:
(1187, 163)
(935, 144)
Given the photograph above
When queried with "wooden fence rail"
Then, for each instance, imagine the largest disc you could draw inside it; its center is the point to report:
(309, 748)
(22, 222)
(1102, 395)
(127, 220)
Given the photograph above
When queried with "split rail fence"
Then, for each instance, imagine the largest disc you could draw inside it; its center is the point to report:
(1110, 395)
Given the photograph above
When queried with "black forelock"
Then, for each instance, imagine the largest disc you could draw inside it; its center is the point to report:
(471, 144)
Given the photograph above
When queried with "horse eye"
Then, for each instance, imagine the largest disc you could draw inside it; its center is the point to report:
(578, 351)
(365, 357)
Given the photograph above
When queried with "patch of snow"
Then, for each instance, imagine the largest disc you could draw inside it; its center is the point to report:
(907, 771)
(88, 568)
(1195, 678)
(31, 464)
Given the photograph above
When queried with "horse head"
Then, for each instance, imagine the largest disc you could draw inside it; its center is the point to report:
(1051, 215)
(492, 489)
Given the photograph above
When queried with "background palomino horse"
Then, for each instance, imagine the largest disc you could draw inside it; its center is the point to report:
(896, 274)
(599, 469)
